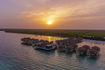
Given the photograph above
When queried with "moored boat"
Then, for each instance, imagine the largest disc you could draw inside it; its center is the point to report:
(48, 47)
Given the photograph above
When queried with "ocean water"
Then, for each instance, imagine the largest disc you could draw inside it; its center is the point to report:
(14, 56)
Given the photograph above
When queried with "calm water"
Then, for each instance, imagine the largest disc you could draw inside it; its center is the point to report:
(14, 56)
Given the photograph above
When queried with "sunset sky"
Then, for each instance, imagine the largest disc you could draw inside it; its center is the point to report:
(64, 14)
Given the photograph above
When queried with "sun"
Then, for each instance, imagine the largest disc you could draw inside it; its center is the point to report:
(50, 22)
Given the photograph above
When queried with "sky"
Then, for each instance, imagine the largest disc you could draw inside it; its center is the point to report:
(65, 14)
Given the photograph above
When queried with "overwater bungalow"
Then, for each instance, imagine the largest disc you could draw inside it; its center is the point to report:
(68, 45)
(94, 51)
(61, 48)
(82, 51)
(26, 41)
(29, 41)
(71, 48)
(39, 44)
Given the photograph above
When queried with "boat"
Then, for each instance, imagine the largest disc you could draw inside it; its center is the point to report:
(47, 47)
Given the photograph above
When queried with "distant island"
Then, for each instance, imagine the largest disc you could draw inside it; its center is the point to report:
(86, 34)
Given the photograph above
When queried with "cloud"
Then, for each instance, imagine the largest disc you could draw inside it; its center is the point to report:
(69, 7)
(80, 11)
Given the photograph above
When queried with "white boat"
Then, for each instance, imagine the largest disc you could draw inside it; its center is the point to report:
(48, 47)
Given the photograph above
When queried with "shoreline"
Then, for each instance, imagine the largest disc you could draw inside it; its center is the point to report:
(91, 35)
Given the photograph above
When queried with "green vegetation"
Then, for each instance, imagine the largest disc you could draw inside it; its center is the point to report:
(88, 34)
